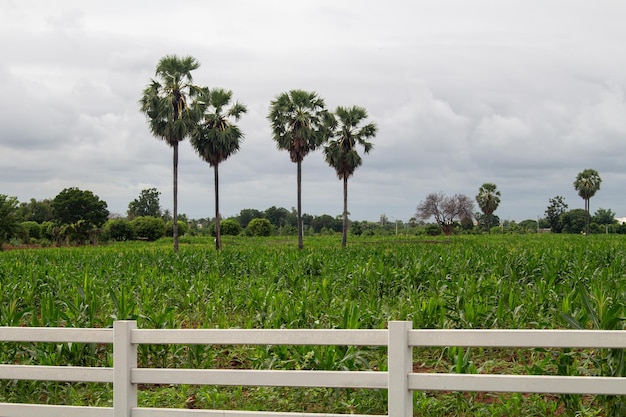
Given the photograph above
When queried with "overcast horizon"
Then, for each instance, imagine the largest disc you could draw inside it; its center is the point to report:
(524, 95)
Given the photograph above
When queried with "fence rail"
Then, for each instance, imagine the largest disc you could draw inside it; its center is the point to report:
(400, 381)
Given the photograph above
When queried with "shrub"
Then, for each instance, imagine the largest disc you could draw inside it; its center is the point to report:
(229, 227)
(182, 228)
(33, 229)
(259, 227)
(118, 229)
(433, 230)
(149, 228)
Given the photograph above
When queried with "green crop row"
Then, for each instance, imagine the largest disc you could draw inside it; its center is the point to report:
(529, 281)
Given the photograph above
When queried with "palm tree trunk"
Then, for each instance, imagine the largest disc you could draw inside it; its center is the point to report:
(175, 225)
(586, 217)
(218, 235)
(299, 179)
(344, 234)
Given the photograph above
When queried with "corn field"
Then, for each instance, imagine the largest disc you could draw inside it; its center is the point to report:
(505, 281)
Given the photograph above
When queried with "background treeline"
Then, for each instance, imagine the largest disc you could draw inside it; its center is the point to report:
(79, 217)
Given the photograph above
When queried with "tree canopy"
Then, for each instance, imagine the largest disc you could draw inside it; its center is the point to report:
(147, 204)
(447, 210)
(587, 183)
(9, 217)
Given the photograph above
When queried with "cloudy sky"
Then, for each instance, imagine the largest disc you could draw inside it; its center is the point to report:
(521, 94)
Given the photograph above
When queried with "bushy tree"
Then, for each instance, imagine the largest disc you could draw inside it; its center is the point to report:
(37, 211)
(32, 230)
(228, 227)
(148, 227)
(169, 228)
(574, 221)
(119, 230)
(79, 213)
(147, 204)
(246, 215)
(259, 227)
(556, 207)
(447, 210)
(9, 217)
(604, 217)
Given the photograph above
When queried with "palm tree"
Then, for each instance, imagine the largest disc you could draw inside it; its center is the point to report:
(297, 119)
(165, 102)
(587, 183)
(488, 200)
(341, 152)
(216, 137)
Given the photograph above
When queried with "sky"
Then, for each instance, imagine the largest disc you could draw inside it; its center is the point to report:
(521, 94)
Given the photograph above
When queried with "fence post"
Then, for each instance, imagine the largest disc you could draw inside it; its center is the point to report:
(124, 359)
(400, 364)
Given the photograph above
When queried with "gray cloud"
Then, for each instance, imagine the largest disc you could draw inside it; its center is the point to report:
(463, 93)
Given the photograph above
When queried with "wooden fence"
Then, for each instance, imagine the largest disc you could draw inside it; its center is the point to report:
(400, 381)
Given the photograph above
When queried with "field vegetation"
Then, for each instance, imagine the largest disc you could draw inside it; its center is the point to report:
(498, 281)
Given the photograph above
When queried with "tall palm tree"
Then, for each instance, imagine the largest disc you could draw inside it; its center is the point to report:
(297, 119)
(587, 183)
(341, 152)
(488, 200)
(216, 137)
(165, 103)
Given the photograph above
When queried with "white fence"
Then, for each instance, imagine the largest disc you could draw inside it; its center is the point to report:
(399, 380)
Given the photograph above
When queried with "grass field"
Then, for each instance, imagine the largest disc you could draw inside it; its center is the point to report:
(505, 281)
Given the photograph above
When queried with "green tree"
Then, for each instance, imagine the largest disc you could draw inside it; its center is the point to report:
(79, 212)
(587, 184)
(297, 118)
(37, 211)
(119, 230)
(277, 216)
(259, 227)
(348, 131)
(230, 227)
(9, 218)
(604, 216)
(148, 228)
(574, 221)
(216, 137)
(556, 207)
(165, 103)
(247, 215)
(488, 199)
(147, 204)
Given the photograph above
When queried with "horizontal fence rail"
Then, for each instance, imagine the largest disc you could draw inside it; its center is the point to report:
(400, 381)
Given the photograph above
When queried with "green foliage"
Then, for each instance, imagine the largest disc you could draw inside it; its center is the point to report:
(73, 205)
(149, 228)
(503, 281)
(169, 228)
(147, 204)
(37, 211)
(230, 227)
(573, 221)
(259, 227)
(556, 208)
(32, 230)
(9, 217)
(119, 230)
